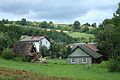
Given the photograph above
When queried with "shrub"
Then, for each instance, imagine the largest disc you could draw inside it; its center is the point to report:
(8, 54)
(104, 64)
(26, 58)
(114, 65)
(18, 58)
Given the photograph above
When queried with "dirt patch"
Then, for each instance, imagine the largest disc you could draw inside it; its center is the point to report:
(11, 74)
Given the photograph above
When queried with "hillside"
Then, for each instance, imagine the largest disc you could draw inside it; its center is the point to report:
(83, 36)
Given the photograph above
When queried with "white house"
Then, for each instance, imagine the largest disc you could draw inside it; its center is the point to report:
(37, 41)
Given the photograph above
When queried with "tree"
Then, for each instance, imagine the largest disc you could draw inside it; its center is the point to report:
(44, 51)
(109, 34)
(76, 25)
(85, 29)
(70, 25)
(5, 21)
(23, 21)
(94, 25)
(43, 24)
(54, 49)
(86, 24)
(116, 18)
(106, 38)
(114, 65)
(8, 54)
(50, 22)
(5, 41)
(50, 25)
(59, 27)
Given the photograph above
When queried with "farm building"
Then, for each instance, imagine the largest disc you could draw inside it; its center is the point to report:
(38, 41)
(29, 46)
(26, 50)
(84, 54)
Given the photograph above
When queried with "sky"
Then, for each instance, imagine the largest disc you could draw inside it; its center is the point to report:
(58, 11)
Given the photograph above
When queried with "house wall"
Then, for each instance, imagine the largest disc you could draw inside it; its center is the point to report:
(45, 42)
(78, 55)
(79, 60)
(78, 52)
(36, 44)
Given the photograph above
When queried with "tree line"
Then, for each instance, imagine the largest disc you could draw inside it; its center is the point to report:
(108, 39)
(76, 26)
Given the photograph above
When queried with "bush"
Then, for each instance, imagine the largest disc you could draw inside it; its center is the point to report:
(104, 64)
(8, 54)
(26, 58)
(18, 58)
(114, 65)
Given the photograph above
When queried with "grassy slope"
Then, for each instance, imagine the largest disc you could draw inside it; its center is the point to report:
(81, 35)
(72, 34)
(60, 69)
(78, 34)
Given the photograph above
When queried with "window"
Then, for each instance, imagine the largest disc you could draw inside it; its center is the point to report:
(72, 60)
(84, 60)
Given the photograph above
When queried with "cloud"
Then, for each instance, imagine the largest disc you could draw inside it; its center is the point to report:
(95, 16)
(58, 10)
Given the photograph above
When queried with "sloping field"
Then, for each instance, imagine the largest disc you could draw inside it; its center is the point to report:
(79, 35)
(83, 37)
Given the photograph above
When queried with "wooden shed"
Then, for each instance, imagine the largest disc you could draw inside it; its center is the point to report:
(26, 49)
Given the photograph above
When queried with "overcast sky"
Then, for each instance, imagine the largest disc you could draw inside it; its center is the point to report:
(60, 11)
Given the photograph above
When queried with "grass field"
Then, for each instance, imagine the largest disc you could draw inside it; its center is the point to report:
(81, 35)
(59, 68)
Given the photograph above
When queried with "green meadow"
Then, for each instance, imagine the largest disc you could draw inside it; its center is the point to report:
(59, 68)
(79, 35)
(82, 36)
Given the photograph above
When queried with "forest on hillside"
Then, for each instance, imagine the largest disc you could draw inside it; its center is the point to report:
(11, 31)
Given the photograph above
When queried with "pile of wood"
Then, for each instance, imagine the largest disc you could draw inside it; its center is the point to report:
(29, 50)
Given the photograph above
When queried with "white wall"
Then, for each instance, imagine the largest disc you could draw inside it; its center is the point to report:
(46, 43)
(37, 45)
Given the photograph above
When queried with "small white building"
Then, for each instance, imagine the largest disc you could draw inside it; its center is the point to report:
(38, 41)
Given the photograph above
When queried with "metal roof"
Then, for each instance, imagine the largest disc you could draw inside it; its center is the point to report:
(31, 38)
(89, 51)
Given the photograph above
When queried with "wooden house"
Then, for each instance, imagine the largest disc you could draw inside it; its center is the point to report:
(83, 54)
(29, 46)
